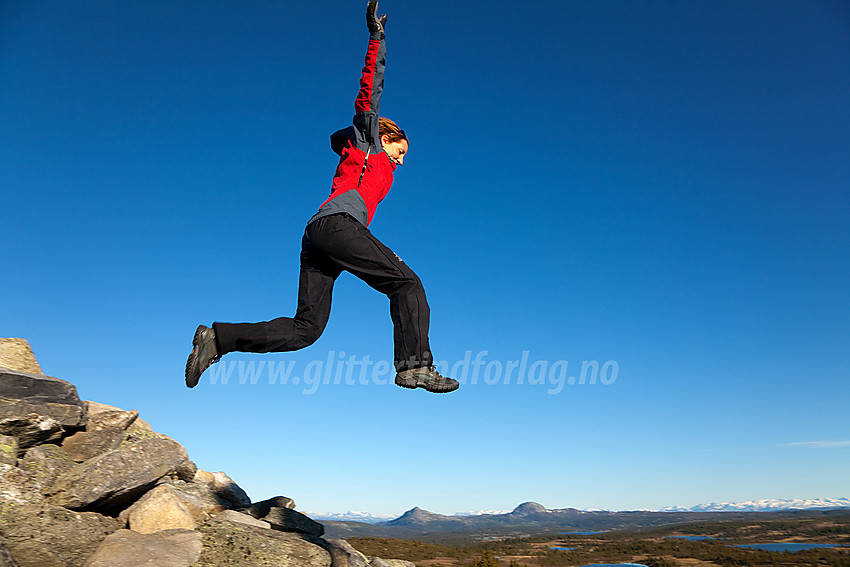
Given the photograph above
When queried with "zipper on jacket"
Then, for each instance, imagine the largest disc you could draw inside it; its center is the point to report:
(363, 171)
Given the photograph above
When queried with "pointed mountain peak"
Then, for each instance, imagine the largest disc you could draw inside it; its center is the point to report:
(416, 515)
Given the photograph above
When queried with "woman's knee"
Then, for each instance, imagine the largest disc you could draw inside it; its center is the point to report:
(309, 333)
(408, 288)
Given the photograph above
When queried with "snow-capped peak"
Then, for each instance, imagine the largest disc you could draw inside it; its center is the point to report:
(769, 505)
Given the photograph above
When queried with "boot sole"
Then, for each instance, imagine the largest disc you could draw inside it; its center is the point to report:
(412, 384)
(408, 383)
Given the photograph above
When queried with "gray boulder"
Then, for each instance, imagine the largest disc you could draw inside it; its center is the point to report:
(84, 445)
(210, 501)
(344, 554)
(278, 511)
(115, 478)
(223, 486)
(51, 536)
(170, 506)
(287, 520)
(126, 548)
(260, 509)
(186, 471)
(22, 393)
(94, 409)
(229, 544)
(30, 429)
(163, 508)
(17, 487)
(36, 388)
(117, 419)
(240, 518)
(69, 416)
(45, 463)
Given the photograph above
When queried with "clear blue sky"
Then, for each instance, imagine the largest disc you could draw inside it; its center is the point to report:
(660, 184)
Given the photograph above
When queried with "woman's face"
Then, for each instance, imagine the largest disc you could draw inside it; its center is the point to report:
(396, 150)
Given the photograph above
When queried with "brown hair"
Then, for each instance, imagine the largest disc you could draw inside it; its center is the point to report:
(391, 130)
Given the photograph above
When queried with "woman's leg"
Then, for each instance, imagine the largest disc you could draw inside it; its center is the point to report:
(315, 286)
(352, 247)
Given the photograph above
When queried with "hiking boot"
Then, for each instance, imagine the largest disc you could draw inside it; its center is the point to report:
(204, 354)
(426, 377)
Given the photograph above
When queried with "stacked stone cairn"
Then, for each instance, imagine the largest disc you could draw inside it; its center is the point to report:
(91, 485)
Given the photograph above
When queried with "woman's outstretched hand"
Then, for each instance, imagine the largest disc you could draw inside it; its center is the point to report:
(373, 22)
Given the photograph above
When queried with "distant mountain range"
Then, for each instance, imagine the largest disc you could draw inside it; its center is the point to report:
(771, 505)
(532, 517)
(350, 516)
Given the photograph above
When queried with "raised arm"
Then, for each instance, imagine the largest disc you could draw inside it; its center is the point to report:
(368, 99)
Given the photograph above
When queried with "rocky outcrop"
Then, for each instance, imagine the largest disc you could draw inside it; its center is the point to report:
(16, 354)
(84, 484)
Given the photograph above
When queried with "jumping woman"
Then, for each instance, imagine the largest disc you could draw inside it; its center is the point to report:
(337, 239)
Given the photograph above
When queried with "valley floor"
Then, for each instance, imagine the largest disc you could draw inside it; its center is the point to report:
(658, 547)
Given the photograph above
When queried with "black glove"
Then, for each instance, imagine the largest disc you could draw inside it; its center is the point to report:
(373, 22)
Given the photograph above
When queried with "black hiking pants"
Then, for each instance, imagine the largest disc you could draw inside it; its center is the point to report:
(330, 245)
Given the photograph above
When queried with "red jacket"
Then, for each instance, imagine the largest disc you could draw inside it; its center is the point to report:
(365, 173)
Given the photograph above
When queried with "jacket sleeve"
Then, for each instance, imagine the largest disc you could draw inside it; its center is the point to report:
(368, 99)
